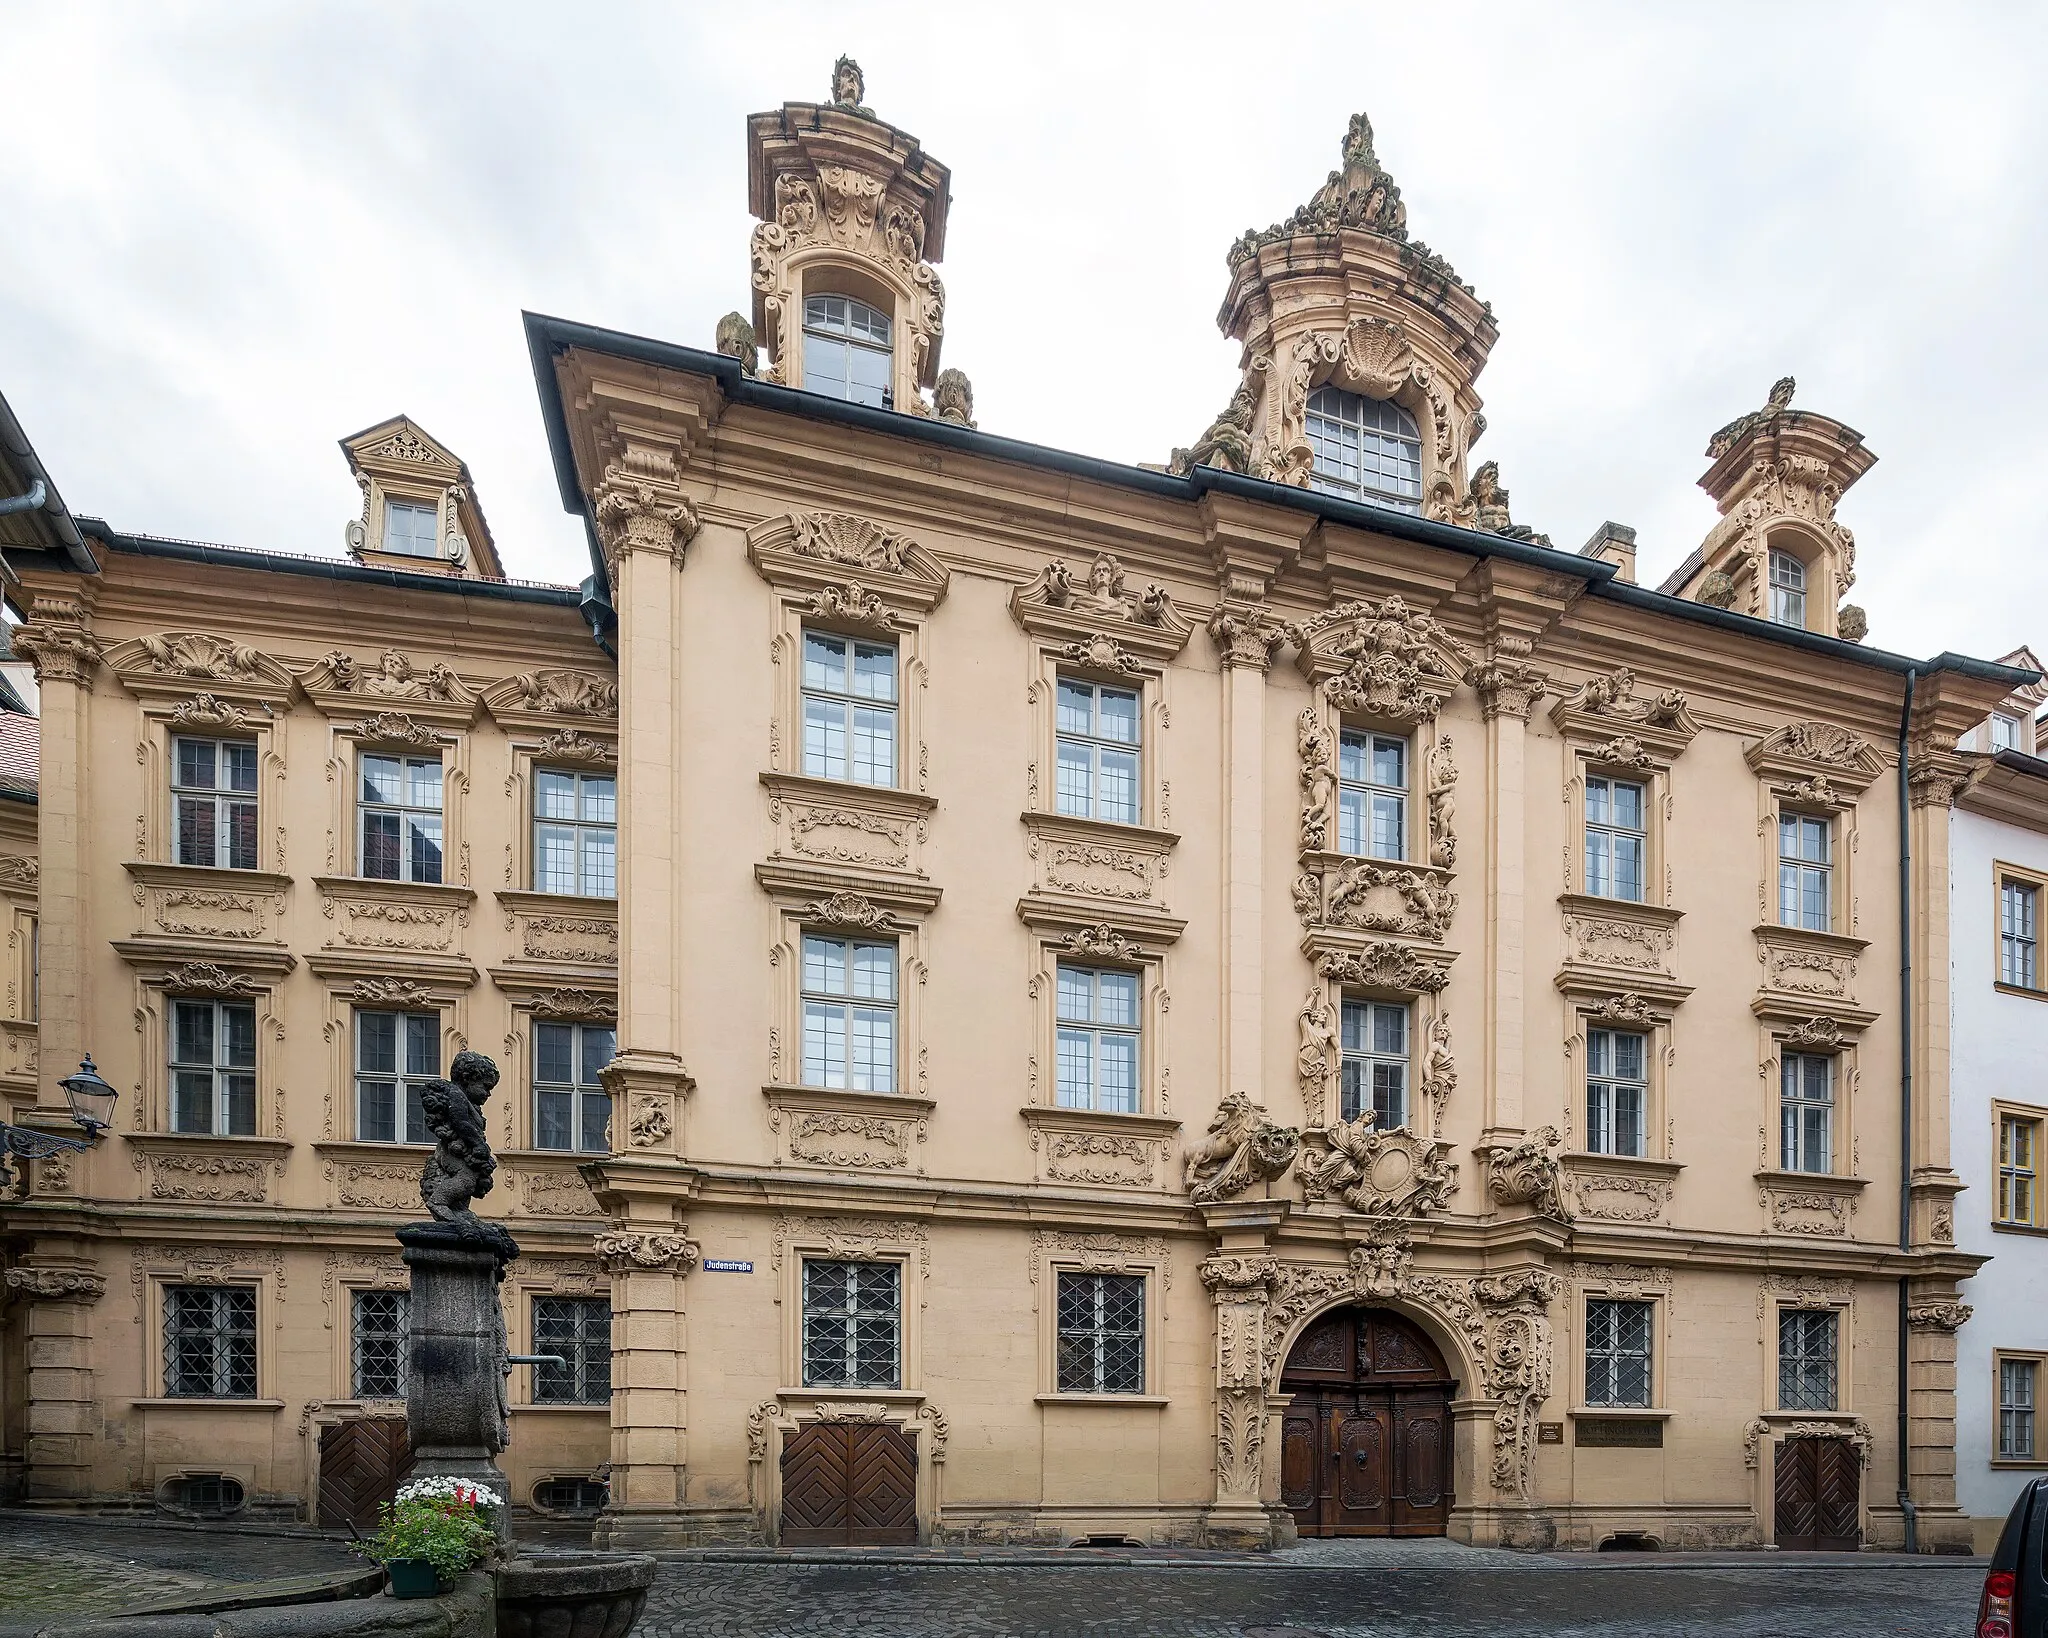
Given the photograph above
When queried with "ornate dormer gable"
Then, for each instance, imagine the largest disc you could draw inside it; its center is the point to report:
(1339, 296)
(1820, 762)
(1063, 605)
(854, 210)
(420, 510)
(196, 667)
(2012, 725)
(1778, 553)
(853, 570)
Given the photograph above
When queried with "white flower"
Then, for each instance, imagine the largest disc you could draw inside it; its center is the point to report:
(447, 1489)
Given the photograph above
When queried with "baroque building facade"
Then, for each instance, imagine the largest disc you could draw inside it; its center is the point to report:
(1209, 1002)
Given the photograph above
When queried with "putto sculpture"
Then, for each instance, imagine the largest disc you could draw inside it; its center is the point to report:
(462, 1167)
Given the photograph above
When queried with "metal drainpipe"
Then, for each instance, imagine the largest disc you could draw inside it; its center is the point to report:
(38, 493)
(1906, 1509)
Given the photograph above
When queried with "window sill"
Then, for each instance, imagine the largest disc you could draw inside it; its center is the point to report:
(840, 1396)
(595, 1409)
(180, 1403)
(2039, 1229)
(1107, 1401)
(385, 887)
(1600, 904)
(1594, 1161)
(1813, 938)
(275, 1147)
(892, 797)
(162, 873)
(2018, 1464)
(1848, 1419)
(1046, 822)
(1824, 1182)
(533, 899)
(2022, 992)
(1620, 1413)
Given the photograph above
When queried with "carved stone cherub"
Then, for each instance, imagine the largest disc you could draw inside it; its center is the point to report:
(462, 1167)
(1227, 442)
(953, 398)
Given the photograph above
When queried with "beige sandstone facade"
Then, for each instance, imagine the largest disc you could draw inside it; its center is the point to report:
(1078, 928)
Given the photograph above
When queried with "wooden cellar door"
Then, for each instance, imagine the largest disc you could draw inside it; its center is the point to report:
(1816, 1486)
(849, 1484)
(362, 1463)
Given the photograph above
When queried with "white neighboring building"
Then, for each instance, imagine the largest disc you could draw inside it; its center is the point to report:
(1998, 895)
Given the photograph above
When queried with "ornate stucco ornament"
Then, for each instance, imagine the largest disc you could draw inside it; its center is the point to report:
(1243, 1147)
(1939, 1316)
(1526, 1174)
(1389, 660)
(1382, 1174)
(57, 1284)
(623, 1251)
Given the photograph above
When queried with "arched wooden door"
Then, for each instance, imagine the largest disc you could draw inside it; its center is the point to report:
(1365, 1444)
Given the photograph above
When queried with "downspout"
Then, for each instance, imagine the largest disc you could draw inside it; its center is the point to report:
(1906, 1508)
(37, 494)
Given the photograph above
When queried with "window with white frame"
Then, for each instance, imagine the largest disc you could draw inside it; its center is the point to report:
(379, 1343)
(400, 809)
(2017, 904)
(570, 1109)
(1617, 838)
(1098, 752)
(410, 528)
(575, 833)
(1372, 795)
(2018, 1380)
(846, 350)
(853, 1324)
(849, 1013)
(1806, 1358)
(850, 695)
(1617, 1091)
(213, 1068)
(397, 1053)
(577, 1331)
(1618, 1352)
(1101, 1340)
(1806, 1112)
(1788, 590)
(2005, 732)
(1806, 872)
(1367, 448)
(210, 1342)
(1098, 1039)
(2019, 1169)
(1373, 1073)
(213, 790)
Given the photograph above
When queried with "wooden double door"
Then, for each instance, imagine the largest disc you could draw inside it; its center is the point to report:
(363, 1461)
(1365, 1443)
(1817, 1484)
(849, 1484)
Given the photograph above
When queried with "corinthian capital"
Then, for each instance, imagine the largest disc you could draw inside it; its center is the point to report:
(58, 642)
(1246, 635)
(636, 512)
(622, 1251)
(1507, 682)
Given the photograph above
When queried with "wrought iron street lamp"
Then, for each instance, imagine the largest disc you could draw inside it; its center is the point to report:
(92, 1106)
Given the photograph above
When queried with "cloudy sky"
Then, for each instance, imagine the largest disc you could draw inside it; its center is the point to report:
(232, 233)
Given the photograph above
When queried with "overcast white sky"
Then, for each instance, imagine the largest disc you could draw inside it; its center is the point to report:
(231, 234)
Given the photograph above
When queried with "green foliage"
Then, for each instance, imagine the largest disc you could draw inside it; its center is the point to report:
(449, 1532)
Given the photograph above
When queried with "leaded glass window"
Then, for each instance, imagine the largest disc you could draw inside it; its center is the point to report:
(1101, 1333)
(1806, 1358)
(1098, 752)
(571, 1110)
(213, 790)
(577, 1330)
(213, 1068)
(1374, 1076)
(1617, 838)
(1617, 1091)
(849, 1008)
(1618, 1352)
(846, 350)
(1372, 795)
(400, 810)
(849, 690)
(210, 1342)
(379, 1342)
(853, 1320)
(1805, 867)
(1806, 1112)
(1098, 1039)
(1366, 448)
(575, 833)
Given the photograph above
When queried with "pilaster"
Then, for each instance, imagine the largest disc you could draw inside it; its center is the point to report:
(1240, 1277)
(648, 1263)
(63, 1414)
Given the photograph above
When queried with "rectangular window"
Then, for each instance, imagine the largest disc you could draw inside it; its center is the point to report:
(1805, 887)
(1617, 838)
(1806, 1112)
(397, 1053)
(210, 1342)
(213, 1068)
(1101, 1333)
(1617, 1091)
(1806, 1359)
(1098, 1039)
(849, 1005)
(1618, 1352)
(1098, 752)
(570, 1109)
(578, 1331)
(853, 1316)
(2017, 1379)
(409, 528)
(2019, 1170)
(213, 793)
(1373, 1079)
(575, 833)
(379, 1343)
(1788, 590)
(2005, 732)
(1372, 795)
(849, 694)
(400, 808)
(2017, 902)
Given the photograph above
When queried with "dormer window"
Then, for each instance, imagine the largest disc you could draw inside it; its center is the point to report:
(1365, 449)
(409, 528)
(846, 350)
(2005, 732)
(1788, 590)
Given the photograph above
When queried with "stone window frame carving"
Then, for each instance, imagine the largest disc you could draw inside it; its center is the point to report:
(396, 733)
(207, 716)
(345, 990)
(1381, 970)
(583, 1278)
(346, 1271)
(1622, 1282)
(153, 1268)
(2038, 1358)
(2002, 872)
(572, 749)
(534, 1000)
(1653, 1015)
(1055, 1252)
(1372, 357)
(1814, 768)
(1129, 941)
(158, 982)
(1833, 1194)
(1814, 1292)
(903, 1241)
(1610, 729)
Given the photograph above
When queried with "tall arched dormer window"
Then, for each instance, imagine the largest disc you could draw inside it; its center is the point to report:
(1788, 590)
(1365, 448)
(846, 350)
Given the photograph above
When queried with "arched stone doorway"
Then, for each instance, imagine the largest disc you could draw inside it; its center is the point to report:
(1365, 1441)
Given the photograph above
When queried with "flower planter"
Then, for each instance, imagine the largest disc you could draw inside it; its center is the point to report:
(412, 1578)
(572, 1595)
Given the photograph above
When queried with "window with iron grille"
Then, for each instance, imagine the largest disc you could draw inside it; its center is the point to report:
(1806, 1358)
(399, 809)
(853, 1325)
(1373, 1079)
(213, 790)
(379, 1340)
(213, 1068)
(1098, 748)
(1372, 795)
(1101, 1333)
(2016, 905)
(579, 1331)
(210, 1342)
(575, 833)
(570, 1109)
(1618, 1352)
(397, 1053)
(2016, 1383)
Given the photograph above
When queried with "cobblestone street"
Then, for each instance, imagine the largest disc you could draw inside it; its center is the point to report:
(60, 1565)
